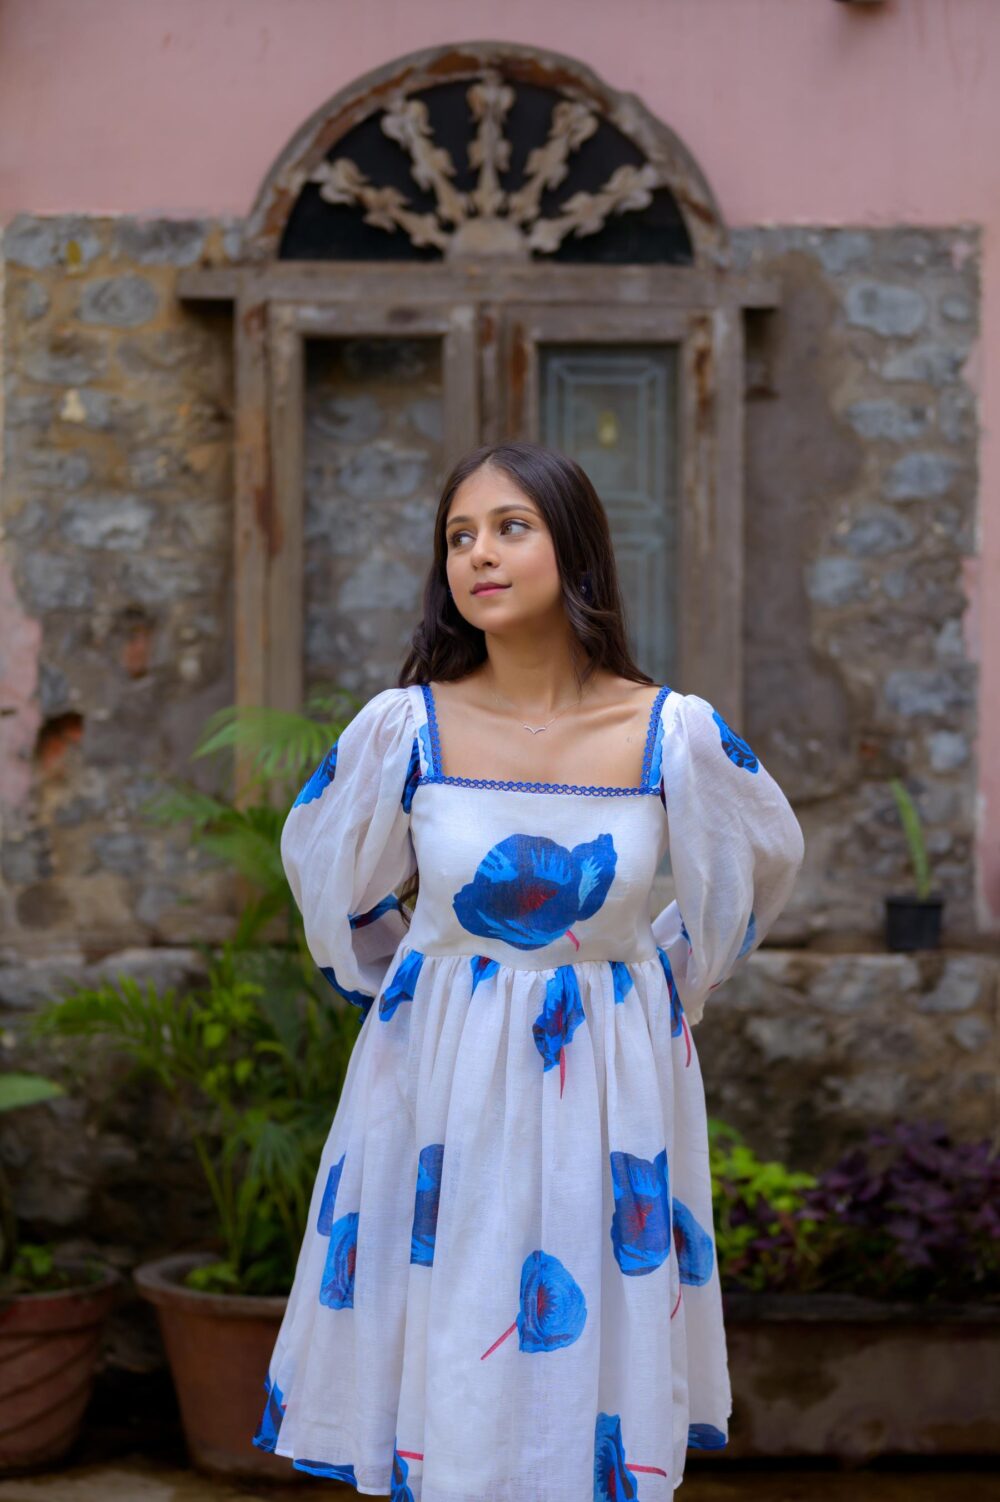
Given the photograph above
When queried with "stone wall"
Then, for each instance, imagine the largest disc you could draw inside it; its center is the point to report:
(861, 514)
(117, 541)
(116, 625)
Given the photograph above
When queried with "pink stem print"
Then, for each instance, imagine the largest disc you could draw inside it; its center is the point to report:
(499, 1342)
(654, 1470)
(571, 935)
(687, 1040)
(562, 1070)
(677, 1305)
(410, 1454)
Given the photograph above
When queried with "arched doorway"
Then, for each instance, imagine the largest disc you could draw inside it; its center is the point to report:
(470, 243)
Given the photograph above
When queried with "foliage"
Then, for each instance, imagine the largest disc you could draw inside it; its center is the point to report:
(274, 751)
(22, 1268)
(913, 829)
(252, 1062)
(908, 1215)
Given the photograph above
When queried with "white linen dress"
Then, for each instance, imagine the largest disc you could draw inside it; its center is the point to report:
(508, 1289)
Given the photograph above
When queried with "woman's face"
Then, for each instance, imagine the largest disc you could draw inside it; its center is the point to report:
(496, 535)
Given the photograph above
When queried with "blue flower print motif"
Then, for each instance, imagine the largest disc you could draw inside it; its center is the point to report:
(320, 779)
(561, 1015)
(400, 1470)
(749, 938)
(614, 1480)
(337, 1287)
(361, 999)
(705, 1437)
(676, 1009)
(553, 1308)
(482, 969)
(325, 1469)
(695, 1248)
(412, 781)
(622, 978)
(402, 985)
(528, 890)
(678, 1021)
(735, 746)
(266, 1434)
(387, 905)
(324, 1223)
(425, 1209)
(640, 1226)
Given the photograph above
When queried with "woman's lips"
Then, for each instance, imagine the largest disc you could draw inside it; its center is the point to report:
(490, 589)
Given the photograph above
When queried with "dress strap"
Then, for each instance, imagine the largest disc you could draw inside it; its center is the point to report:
(422, 704)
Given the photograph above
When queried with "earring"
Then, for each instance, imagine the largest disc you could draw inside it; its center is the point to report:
(585, 586)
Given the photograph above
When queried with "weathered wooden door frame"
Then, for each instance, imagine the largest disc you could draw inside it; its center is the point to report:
(492, 318)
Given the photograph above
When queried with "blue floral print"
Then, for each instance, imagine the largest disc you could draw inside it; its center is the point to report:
(412, 781)
(400, 1470)
(329, 1472)
(695, 1248)
(676, 1009)
(266, 1434)
(387, 905)
(402, 985)
(621, 975)
(482, 968)
(561, 1015)
(705, 1437)
(337, 1286)
(324, 1224)
(553, 1308)
(735, 746)
(614, 1480)
(528, 890)
(640, 1226)
(320, 779)
(425, 1209)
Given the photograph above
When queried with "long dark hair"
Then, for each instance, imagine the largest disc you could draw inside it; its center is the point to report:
(445, 646)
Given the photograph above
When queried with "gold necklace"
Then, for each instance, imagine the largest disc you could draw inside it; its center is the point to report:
(536, 729)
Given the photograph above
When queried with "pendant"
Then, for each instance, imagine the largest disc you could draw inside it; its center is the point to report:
(534, 729)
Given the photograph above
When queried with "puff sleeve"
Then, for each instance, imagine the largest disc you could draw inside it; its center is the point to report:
(735, 849)
(346, 846)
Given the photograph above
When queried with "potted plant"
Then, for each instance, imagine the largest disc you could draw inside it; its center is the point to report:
(913, 921)
(862, 1304)
(52, 1317)
(252, 1061)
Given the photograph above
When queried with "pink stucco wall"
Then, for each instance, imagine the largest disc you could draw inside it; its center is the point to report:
(802, 111)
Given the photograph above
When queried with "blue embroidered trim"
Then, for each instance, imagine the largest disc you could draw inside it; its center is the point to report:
(540, 787)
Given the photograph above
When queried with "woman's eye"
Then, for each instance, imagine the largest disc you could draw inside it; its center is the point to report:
(511, 521)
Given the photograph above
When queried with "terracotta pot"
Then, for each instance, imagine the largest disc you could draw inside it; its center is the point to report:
(219, 1346)
(49, 1345)
(838, 1375)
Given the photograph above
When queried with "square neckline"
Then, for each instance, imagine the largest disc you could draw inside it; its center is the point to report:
(437, 776)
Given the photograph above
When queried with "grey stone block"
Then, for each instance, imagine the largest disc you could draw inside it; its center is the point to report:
(121, 523)
(885, 308)
(40, 243)
(920, 476)
(889, 420)
(123, 302)
(876, 531)
(159, 242)
(835, 581)
(925, 691)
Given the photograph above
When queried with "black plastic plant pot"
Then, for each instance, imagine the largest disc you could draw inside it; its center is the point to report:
(913, 923)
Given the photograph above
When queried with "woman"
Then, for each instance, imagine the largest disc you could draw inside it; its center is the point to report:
(508, 1288)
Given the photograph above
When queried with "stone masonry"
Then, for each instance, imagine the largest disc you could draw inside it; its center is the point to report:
(116, 631)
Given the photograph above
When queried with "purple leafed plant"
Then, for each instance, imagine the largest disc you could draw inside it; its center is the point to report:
(909, 1214)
